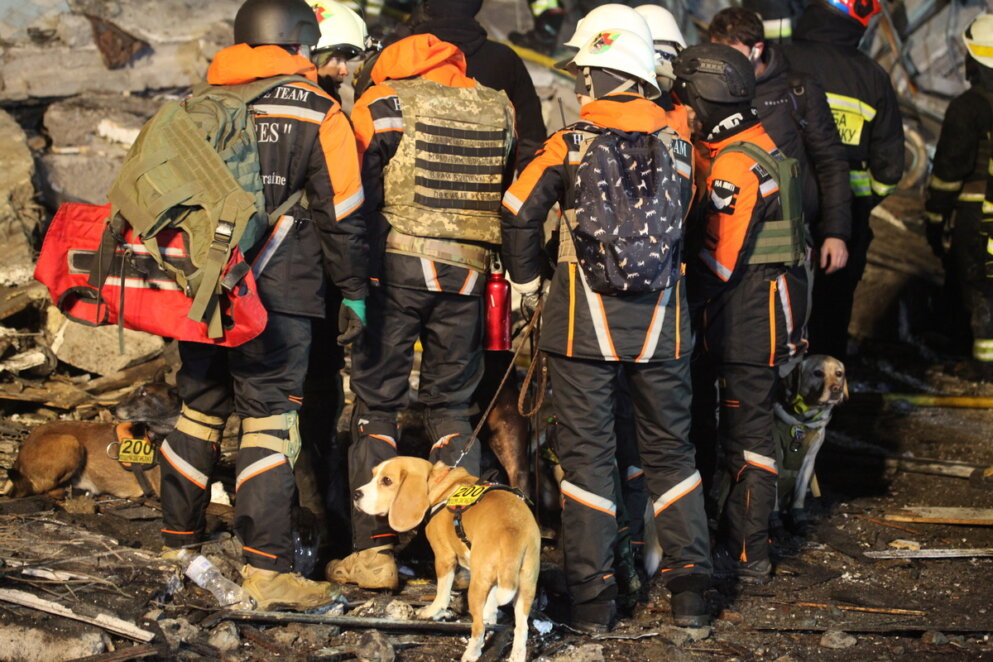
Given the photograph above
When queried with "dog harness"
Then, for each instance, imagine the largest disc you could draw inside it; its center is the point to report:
(468, 496)
(136, 453)
(800, 418)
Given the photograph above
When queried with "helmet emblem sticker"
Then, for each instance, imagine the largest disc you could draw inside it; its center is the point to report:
(603, 42)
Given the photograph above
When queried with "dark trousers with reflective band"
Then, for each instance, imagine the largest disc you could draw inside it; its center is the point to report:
(449, 327)
(834, 295)
(584, 394)
(261, 378)
(968, 259)
(745, 431)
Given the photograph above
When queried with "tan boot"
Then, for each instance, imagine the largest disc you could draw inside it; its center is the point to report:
(372, 568)
(285, 590)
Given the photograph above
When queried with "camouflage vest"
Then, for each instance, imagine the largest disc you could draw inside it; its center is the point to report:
(446, 178)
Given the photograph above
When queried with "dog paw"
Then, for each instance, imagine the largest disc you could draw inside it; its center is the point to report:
(432, 614)
(470, 656)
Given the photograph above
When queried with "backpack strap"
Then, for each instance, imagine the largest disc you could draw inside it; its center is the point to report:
(780, 241)
(567, 248)
(798, 95)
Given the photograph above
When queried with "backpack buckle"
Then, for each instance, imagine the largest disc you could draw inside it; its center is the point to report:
(223, 232)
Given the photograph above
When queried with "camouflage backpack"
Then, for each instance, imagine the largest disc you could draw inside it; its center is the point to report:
(628, 218)
(195, 167)
(446, 178)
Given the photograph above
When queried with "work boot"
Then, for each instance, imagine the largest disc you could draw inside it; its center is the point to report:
(285, 590)
(726, 566)
(373, 568)
(689, 609)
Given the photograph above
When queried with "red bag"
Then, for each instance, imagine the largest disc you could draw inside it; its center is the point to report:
(151, 300)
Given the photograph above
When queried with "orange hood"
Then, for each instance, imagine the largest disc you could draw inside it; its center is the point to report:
(242, 63)
(625, 111)
(424, 56)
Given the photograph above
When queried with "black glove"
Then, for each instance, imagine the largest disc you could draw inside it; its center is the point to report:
(935, 233)
(350, 324)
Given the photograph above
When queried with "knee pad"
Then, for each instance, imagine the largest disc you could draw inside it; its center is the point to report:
(199, 425)
(279, 433)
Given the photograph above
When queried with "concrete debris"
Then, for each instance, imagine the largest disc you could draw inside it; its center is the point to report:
(584, 653)
(225, 637)
(27, 644)
(838, 639)
(177, 631)
(934, 638)
(96, 349)
(373, 646)
(399, 610)
(20, 216)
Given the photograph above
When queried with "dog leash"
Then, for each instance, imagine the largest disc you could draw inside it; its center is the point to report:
(528, 330)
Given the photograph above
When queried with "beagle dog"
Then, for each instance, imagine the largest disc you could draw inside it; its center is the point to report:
(809, 394)
(83, 454)
(496, 538)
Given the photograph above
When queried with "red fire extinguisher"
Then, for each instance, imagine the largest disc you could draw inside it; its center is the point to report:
(497, 309)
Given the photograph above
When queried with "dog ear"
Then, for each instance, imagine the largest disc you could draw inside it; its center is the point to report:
(844, 397)
(411, 501)
(160, 374)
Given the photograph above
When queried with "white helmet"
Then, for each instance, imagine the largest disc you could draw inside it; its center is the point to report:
(662, 24)
(341, 28)
(609, 17)
(623, 51)
(978, 38)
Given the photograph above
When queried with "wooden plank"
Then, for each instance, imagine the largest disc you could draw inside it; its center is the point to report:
(931, 553)
(13, 301)
(126, 378)
(51, 393)
(105, 621)
(961, 516)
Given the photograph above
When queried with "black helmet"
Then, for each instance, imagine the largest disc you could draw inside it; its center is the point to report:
(716, 73)
(276, 22)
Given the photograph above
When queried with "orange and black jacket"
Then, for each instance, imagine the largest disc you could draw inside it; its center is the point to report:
(378, 121)
(578, 322)
(305, 142)
(745, 313)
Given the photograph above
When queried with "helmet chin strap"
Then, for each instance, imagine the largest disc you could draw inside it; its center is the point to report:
(595, 86)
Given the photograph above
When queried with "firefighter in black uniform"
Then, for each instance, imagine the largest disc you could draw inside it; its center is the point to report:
(747, 292)
(305, 143)
(867, 114)
(958, 189)
(593, 338)
(435, 146)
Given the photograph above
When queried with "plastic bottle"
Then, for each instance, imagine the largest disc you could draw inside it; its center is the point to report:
(206, 575)
(497, 311)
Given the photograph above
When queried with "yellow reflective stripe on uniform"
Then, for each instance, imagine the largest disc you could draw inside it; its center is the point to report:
(859, 180)
(851, 104)
(989, 245)
(880, 188)
(676, 492)
(940, 184)
(971, 197)
(982, 349)
(987, 207)
(540, 6)
(588, 499)
(934, 217)
(777, 28)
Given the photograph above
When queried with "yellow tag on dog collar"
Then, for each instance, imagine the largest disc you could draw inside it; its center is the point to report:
(466, 496)
(137, 451)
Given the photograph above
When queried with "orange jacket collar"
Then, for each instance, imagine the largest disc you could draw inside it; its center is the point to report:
(242, 63)
(748, 135)
(625, 111)
(424, 56)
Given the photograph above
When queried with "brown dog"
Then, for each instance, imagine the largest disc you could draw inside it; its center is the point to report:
(504, 557)
(810, 393)
(76, 453)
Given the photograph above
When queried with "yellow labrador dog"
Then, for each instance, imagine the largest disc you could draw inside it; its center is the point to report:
(489, 531)
(810, 393)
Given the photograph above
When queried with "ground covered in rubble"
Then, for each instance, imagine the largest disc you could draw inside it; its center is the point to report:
(828, 601)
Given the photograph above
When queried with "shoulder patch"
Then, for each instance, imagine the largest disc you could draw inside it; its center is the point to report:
(723, 196)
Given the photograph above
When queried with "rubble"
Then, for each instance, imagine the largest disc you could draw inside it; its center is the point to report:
(20, 216)
(28, 644)
(96, 349)
(837, 639)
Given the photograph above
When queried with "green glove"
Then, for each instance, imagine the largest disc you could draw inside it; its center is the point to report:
(351, 320)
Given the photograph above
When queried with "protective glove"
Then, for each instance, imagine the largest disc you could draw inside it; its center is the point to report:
(935, 233)
(351, 320)
(530, 296)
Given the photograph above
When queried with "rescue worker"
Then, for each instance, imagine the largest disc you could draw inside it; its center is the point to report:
(435, 148)
(794, 112)
(958, 188)
(493, 64)
(747, 294)
(867, 114)
(669, 42)
(305, 143)
(592, 339)
(344, 38)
